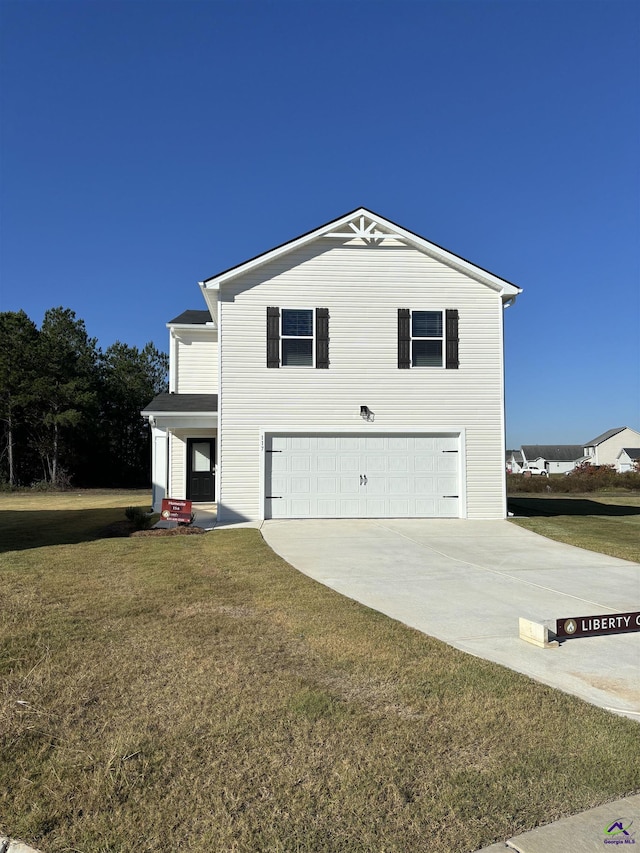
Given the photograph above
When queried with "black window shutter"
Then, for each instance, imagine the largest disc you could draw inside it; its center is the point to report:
(273, 337)
(404, 339)
(452, 362)
(322, 337)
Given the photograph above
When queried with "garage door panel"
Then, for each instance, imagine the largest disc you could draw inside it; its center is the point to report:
(350, 508)
(299, 508)
(399, 464)
(400, 485)
(349, 463)
(359, 476)
(376, 508)
(301, 442)
(327, 486)
(425, 463)
(350, 485)
(300, 485)
(327, 508)
(300, 463)
(326, 462)
(425, 507)
(399, 507)
(374, 464)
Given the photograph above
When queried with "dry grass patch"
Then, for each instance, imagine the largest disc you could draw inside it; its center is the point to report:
(198, 692)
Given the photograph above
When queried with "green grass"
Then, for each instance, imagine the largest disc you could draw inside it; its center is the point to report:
(197, 693)
(607, 523)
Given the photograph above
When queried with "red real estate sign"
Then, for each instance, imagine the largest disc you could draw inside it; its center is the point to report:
(176, 510)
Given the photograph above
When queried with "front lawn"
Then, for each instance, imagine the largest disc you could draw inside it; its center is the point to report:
(196, 693)
(601, 521)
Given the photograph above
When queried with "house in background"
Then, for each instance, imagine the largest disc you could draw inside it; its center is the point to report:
(515, 462)
(552, 458)
(355, 371)
(628, 459)
(604, 449)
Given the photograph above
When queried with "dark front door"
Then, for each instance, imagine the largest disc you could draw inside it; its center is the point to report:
(201, 458)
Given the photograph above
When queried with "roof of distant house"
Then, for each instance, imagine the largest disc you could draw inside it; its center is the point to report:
(191, 318)
(554, 452)
(632, 452)
(605, 435)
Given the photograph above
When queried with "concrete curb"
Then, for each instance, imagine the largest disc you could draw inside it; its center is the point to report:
(583, 832)
(10, 845)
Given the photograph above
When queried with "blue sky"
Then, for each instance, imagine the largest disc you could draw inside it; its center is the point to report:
(148, 145)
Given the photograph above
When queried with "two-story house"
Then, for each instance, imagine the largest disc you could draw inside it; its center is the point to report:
(355, 371)
(604, 449)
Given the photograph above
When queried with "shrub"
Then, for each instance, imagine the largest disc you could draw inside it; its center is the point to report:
(585, 478)
(138, 517)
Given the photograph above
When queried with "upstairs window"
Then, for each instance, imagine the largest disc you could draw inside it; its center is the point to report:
(297, 337)
(427, 338)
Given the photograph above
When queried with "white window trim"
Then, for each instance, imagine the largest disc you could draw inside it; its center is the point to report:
(311, 337)
(443, 338)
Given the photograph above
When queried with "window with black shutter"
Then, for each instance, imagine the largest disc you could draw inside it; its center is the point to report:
(427, 338)
(298, 337)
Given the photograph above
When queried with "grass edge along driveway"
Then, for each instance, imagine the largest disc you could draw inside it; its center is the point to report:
(199, 690)
(602, 522)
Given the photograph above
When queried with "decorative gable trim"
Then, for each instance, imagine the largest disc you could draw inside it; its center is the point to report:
(372, 229)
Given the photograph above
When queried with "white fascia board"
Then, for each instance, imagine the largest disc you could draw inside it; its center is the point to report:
(210, 295)
(504, 288)
(207, 327)
(192, 420)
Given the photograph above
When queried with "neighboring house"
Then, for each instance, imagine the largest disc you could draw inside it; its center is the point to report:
(604, 449)
(628, 459)
(552, 458)
(355, 371)
(515, 462)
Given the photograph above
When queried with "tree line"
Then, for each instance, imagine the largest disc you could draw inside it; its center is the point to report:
(69, 412)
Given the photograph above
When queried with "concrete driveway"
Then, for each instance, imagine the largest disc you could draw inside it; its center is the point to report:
(468, 582)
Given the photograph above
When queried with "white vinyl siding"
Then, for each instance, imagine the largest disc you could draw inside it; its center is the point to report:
(196, 361)
(178, 459)
(362, 287)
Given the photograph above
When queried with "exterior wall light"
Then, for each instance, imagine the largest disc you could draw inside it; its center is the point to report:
(366, 413)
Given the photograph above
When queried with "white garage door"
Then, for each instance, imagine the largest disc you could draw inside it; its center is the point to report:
(362, 476)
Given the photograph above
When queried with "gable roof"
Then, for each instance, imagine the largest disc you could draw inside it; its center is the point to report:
(632, 452)
(191, 318)
(370, 227)
(605, 435)
(554, 452)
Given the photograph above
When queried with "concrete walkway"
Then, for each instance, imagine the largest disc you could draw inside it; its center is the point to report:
(582, 833)
(468, 582)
